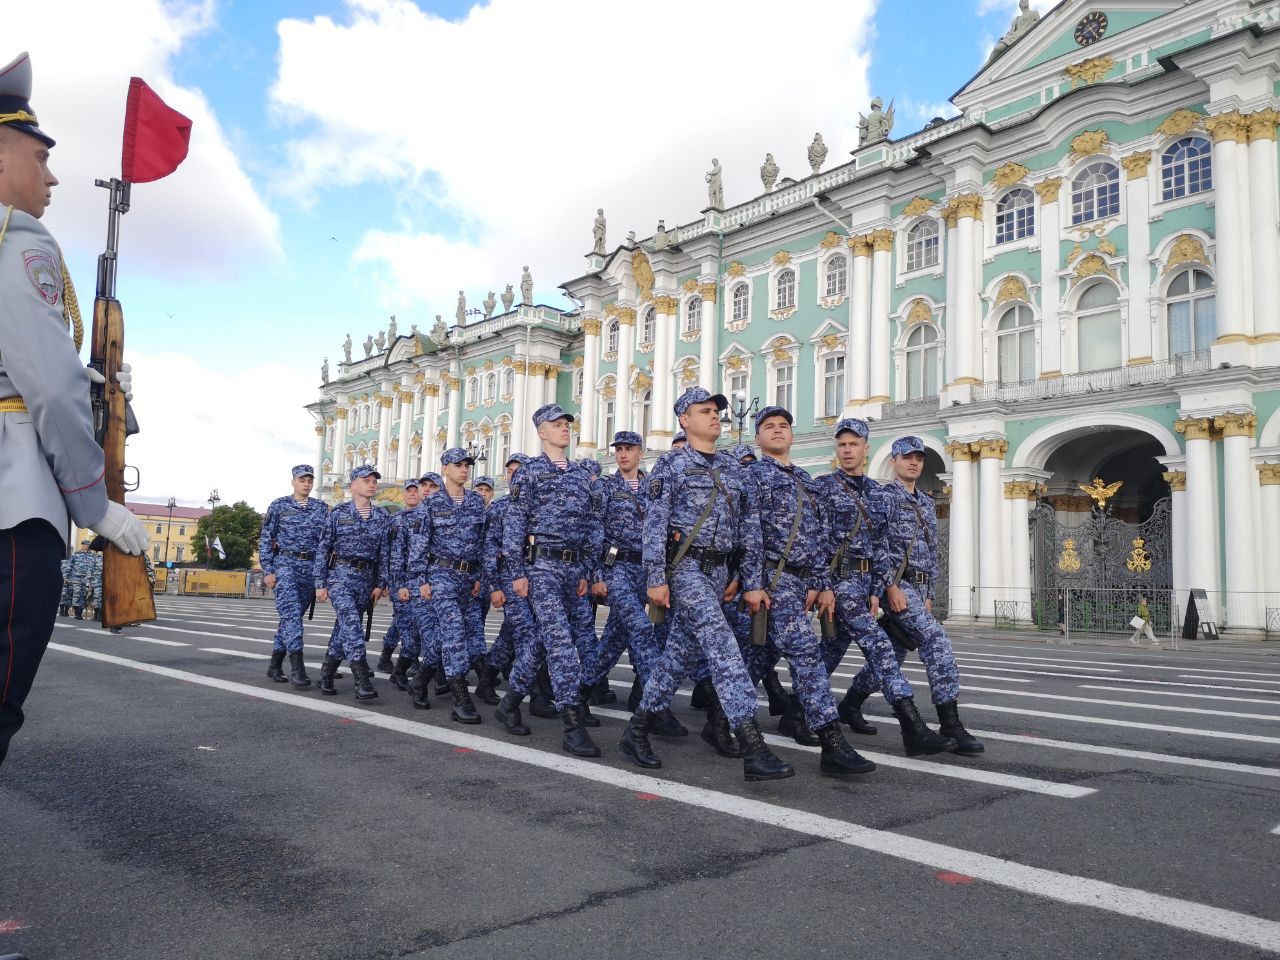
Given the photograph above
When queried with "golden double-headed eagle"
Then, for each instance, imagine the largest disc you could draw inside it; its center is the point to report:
(1101, 492)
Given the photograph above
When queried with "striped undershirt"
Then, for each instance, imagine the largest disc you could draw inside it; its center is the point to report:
(365, 512)
(562, 464)
(634, 485)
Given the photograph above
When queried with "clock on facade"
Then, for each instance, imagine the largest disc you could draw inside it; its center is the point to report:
(1092, 27)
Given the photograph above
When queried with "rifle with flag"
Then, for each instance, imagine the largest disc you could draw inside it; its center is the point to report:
(156, 139)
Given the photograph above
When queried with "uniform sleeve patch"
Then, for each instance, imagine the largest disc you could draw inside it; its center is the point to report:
(44, 275)
(655, 488)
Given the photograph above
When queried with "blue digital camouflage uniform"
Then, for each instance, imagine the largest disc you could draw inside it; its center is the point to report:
(560, 510)
(680, 486)
(788, 576)
(288, 547)
(855, 524)
(628, 624)
(517, 622)
(93, 582)
(359, 565)
(78, 574)
(911, 530)
(404, 626)
(65, 600)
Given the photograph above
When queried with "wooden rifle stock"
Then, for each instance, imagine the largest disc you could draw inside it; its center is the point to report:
(126, 590)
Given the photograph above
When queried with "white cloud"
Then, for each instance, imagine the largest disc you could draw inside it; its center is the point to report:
(202, 429)
(505, 131)
(917, 113)
(204, 219)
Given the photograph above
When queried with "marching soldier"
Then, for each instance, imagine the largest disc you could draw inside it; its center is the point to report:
(78, 569)
(287, 549)
(51, 468)
(350, 572)
(855, 582)
(64, 602)
(477, 644)
(517, 623)
(402, 629)
(698, 513)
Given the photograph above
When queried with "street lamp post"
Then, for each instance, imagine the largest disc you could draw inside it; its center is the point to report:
(740, 409)
(173, 502)
(214, 500)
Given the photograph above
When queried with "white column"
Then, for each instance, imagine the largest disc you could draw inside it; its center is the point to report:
(1177, 481)
(319, 464)
(963, 326)
(856, 368)
(660, 412)
(386, 402)
(878, 350)
(992, 542)
(1202, 509)
(1140, 346)
(1232, 345)
(1269, 478)
(1051, 323)
(590, 374)
(340, 439)
(1241, 525)
(406, 432)
(430, 424)
(626, 357)
(1019, 495)
(713, 322)
(550, 385)
(454, 383)
(520, 412)
(961, 528)
(1264, 238)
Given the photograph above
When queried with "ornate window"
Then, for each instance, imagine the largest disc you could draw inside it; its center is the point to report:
(837, 275)
(578, 377)
(508, 382)
(376, 406)
(473, 389)
(181, 547)
(648, 325)
(611, 337)
(1015, 215)
(922, 361)
(491, 387)
(693, 315)
(1192, 312)
(786, 290)
(741, 302)
(833, 385)
(1095, 192)
(444, 397)
(504, 448)
(1098, 328)
(738, 382)
(922, 245)
(609, 419)
(784, 386)
(366, 417)
(1186, 167)
(1016, 345)
(645, 411)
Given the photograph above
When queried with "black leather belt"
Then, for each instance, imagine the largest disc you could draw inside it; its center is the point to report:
(851, 565)
(297, 554)
(707, 557)
(802, 572)
(912, 575)
(555, 553)
(461, 566)
(625, 556)
(358, 563)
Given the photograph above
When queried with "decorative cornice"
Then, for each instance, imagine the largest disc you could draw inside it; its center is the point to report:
(1089, 71)
(1010, 173)
(1049, 190)
(1236, 424)
(1135, 164)
(1193, 428)
(1176, 479)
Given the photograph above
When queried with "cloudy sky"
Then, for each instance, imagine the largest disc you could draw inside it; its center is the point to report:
(353, 159)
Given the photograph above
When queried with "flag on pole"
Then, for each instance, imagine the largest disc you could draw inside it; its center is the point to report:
(156, 137)
(208, 552)
(217, 545)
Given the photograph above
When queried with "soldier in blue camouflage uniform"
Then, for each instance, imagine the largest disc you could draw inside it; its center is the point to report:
(421, 489)
(80, 567)
(517, 625)
(698, 513)
(350, 572)
(551, 537)
(907, 552)
(93, 585)
(404, 628)
(477, 645)
(64, 602)
(444, 543)
(793, 528)
(287, 549)
(856, 526)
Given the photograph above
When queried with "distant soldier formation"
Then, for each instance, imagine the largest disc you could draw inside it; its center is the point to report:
(715, 567)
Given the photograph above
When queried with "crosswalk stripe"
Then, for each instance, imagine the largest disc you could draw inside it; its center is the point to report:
(1175, 693)
(1131, 724)
(1162, 707)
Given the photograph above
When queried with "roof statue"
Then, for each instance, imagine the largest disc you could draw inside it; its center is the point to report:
(715, 186)
(490, 302)
(508, 298)
(817, 153)
(597, 232)
(1024, 21)
(877, 125)
(346, 349)
(769, 172)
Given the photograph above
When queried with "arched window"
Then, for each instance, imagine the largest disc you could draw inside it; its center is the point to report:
(377, 411)
(578, 377)
(786, 297)
(1186, 167)
(491, 387)
(473, 389)
(693, 315)
(508, 382)
(366, 417)
(648, 325)
(1098, 328)
(1015, 215)
(611, 337)
(444, 397)
(1016, 345)
(784, 385)
(504, 448)
(1095, 192)
(608, 419)
(741, 302)
(837, 275)
(922, 245)
(922, 361)
(1192, 312)
(646, 409)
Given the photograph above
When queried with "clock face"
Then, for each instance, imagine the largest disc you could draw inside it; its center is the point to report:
(1091, 28)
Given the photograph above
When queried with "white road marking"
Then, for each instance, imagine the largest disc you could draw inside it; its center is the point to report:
(1131, 724)
(1162, 707)
(1176, 693)
(236, 653)
(1192, 676)
(1114, 663)
(1276, 830)
(986, 663)
(1187, 915)
(1194, 686)
(156, 640)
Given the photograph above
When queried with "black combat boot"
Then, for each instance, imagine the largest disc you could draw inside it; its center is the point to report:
(850, 710)
(384, 662)
(665, 724)
(576, 739)
(362, 679)
(421, 687)
(328, 670)
(758, 761)
(464, 711)
(584, 695)
(64, 611)
(949, 725)
(400, 675)
(602, 693)
(716, 732)
(443, 687)
(779, 699)
(703, 692)
(298, 670)
(635, 742)
(792, 725)
(838, 758)
(636, 695)
(540, 702)
(508, 714)
(486, 691)
(917, 738)
(79, 612)
(275, 672)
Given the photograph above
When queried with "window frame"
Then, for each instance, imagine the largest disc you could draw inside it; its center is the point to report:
(1171, 167)
(1087, 202)
(1015, 333)
(692, 317)
(829, 273)
(1019, 221)
(785, 287)
(1192, 297)
(927, 363)
(920, 247)
(743, 287)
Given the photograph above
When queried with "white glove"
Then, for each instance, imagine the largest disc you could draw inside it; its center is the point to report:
(124, 377)
(123, 529)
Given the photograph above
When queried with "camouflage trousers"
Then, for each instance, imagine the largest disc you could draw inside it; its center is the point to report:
(935, 651)
(791, 633)
(628, 627)
(293, 593)
(403, 631)
(854, 624)
(426, 627)
(349, 594)
(563, 627)
(457, 619)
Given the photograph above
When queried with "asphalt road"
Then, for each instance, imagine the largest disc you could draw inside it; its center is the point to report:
(165, 801)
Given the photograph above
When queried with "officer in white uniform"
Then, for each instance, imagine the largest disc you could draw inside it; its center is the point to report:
(51, 468)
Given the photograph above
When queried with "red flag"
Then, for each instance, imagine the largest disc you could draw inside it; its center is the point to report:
(156, 136)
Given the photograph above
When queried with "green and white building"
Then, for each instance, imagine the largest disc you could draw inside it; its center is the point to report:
(1077, 277)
